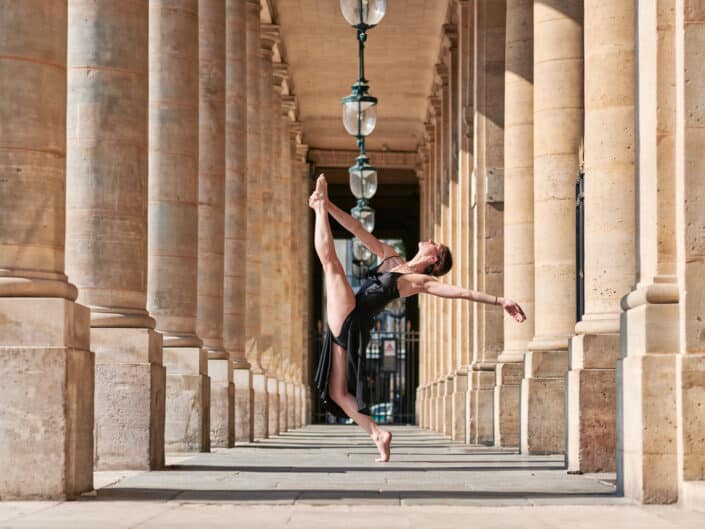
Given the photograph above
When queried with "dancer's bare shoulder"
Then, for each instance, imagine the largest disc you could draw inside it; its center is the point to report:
(413, 283)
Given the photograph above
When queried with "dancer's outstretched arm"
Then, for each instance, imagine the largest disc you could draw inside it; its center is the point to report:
(424, 284)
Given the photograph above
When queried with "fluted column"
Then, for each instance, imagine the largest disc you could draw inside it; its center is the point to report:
(211, 217)
(173, 218)
(254, 221)
(235, 281)
(47, 387)
(518, 215)
(610, 264)
(106, 226)
(307, 295)
(558, 119)
(647, 410)
(488, 213)
(271, 265)
(302, 232)
(287, 307)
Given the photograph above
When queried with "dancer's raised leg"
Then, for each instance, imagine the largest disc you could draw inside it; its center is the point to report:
(340, 301)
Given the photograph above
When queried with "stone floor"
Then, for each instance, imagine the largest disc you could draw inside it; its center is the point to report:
(327, 475)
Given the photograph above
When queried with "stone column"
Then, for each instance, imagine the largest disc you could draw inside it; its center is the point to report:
(173, 218)
(106, 227)
(558, 118)
(461, 64)
(211, 217)
(609, 209)
(272, 224)
(488, 214)
(235, 281)
(301, 231)
(647, 412)
(457, 382)
(48, 371)
(445, 328)
(691, 258)
(518, 216)
(254, 221)
(288, 195)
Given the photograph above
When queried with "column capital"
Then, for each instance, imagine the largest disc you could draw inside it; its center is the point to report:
(441, 74)
(269, 37)
(301, 152)
(280, 71)
(450, 36)
(288, 104)
(296, 129)
(434, 106)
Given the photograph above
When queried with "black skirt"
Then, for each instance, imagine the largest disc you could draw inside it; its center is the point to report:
(354, 337)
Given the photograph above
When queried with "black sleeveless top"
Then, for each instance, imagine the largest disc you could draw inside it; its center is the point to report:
(375, 293)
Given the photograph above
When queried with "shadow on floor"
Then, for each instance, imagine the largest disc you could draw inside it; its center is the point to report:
(334, 470)
(284, 495)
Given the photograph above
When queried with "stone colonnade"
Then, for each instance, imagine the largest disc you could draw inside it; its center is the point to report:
(136, 161)
(608, 369)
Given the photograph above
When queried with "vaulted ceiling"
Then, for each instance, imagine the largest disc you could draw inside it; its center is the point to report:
(321, 51)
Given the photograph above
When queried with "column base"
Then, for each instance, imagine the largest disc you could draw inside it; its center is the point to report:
(222, 414)
(481, 402)
(460, 390)
(291, 400)
(261, 418)
(591, 403)
(647, 413)
(542, 426)
(47, 391)
(307, 405)
(448, 406)
(283, 407)
(297, 405)
(187, 400)
(244, 398)
(691, 369)
(129, 434)
(273, 405)
(507, 392)
(438, 391)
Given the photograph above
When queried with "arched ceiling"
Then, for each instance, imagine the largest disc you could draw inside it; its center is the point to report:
(321, 51)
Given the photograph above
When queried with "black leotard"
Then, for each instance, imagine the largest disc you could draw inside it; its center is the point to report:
(378, 289)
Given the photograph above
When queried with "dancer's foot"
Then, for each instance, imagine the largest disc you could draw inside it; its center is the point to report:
(383, 440)
(322, 186)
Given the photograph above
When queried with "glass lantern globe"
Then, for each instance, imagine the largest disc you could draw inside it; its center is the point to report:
(363, 179)
(360, 251)
(359, 114)
(363, 12)
(365, 214)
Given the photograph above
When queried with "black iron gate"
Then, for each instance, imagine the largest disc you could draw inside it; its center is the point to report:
(392, 371)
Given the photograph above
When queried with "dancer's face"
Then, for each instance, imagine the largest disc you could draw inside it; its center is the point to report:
(429, 248)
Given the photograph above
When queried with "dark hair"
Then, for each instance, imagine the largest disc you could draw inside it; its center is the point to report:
(443, 264)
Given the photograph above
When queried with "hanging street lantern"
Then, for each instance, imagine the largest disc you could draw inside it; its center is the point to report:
(365, 214)
(359, 111)
(363, 13)
(359, 120)
(363, 178)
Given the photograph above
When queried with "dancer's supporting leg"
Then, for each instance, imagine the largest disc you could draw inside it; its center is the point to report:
(340, 301)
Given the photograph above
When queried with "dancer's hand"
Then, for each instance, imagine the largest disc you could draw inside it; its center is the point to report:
(513, 309)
